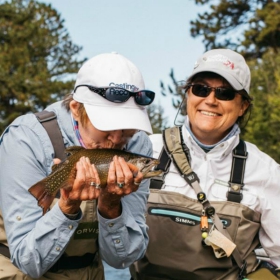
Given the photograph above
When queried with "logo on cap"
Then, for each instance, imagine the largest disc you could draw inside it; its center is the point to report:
(220, 58)
(125, 86)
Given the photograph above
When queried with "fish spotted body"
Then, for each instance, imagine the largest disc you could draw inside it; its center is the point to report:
(64, 173)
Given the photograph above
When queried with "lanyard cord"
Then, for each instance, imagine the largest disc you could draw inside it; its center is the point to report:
(179, 155)
(76, 129)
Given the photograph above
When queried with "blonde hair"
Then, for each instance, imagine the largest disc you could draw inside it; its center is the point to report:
(81, 109)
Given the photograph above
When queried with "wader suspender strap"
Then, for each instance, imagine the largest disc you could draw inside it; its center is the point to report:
(237, 173)
(157, 182)
(49, 122)
(4, 250)
(179, 153)
(236, 177)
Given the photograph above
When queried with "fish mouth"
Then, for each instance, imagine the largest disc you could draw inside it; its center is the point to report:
(149, 170)
(152, 173)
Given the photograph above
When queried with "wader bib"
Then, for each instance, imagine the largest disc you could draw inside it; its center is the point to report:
(176, 249)
(81, 260)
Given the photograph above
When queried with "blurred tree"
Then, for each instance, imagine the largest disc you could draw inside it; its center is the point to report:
(158, 121)
(263, 128)
(177, 94)
(36, 58)
(249, 26)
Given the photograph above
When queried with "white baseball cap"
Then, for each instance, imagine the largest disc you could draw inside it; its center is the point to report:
(111, 70)
(226, 63)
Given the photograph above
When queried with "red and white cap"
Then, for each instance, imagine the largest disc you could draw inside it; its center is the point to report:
(226, 63)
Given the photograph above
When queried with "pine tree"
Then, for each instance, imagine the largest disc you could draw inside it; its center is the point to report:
(249, 26)
(37, 58)
(156, 115)
(253, 29)
(263, 128)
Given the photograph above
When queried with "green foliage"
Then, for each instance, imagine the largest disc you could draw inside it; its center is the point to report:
(158, 121)
(36, 56)
(253, 28)
(250, 26)
(263, 128)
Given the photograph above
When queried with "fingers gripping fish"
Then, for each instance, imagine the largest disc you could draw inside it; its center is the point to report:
(64, 173)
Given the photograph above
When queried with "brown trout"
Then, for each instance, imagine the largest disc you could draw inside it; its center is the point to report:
(64, 173)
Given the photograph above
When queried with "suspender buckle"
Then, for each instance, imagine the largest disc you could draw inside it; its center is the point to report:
(156, 183)
(235, 187)
(245, 156)
(234, 193)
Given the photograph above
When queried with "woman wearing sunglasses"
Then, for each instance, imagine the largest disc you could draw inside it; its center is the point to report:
(214, 214)
(86, 222)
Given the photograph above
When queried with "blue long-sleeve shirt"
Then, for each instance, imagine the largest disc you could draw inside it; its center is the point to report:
(36, 242)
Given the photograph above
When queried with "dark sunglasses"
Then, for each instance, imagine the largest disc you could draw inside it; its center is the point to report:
(220, 93)
(120, 95)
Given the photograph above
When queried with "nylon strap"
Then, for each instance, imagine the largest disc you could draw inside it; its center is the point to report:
(4, 250)
(237, 173)
(164, 163)
(172, 138)
(49, 122)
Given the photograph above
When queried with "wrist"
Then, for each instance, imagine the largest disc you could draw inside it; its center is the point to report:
(110, 210)
(74, 216)
(69, 206)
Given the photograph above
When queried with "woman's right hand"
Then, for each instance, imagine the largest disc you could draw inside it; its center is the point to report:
(84, 187)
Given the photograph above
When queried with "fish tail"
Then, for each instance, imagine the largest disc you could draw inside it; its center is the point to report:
(39, 191)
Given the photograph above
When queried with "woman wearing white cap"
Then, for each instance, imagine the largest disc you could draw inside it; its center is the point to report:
(106, 110)
(217, 206)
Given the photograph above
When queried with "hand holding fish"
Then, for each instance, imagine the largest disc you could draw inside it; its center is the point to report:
(77, 178)
(120, 173)
(84, 187)
(87, 180)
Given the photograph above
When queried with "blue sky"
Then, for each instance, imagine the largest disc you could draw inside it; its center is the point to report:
(153, 34)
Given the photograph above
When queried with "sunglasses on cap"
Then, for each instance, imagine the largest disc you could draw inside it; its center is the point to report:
(120, 95)
(220, 93)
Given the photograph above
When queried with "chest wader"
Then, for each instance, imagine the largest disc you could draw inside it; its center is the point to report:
(82, 250)
(176, 248)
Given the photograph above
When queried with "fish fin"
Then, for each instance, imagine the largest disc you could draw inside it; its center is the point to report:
(44, 198)
(56, 167)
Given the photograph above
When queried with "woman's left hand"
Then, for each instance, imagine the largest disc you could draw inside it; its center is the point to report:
(123, 179)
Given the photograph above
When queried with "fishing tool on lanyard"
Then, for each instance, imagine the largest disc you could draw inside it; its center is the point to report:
(176, 150)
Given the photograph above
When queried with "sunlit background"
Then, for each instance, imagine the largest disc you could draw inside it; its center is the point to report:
(153, 34)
